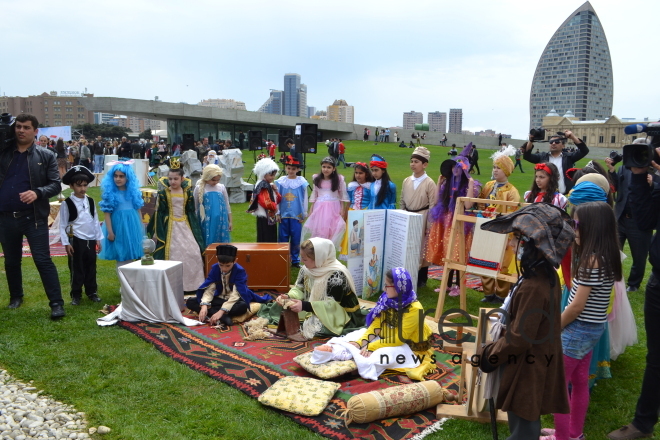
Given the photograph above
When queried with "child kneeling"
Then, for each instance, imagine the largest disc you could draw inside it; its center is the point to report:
(224, 293)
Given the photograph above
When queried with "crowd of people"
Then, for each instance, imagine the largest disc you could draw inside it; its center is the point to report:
(543, 239)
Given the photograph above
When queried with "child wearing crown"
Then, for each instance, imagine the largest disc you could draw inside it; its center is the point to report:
(175, 228)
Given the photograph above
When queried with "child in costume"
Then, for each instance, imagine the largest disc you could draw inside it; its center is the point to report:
(175, 228)
(80, 233)
(121, 201)
(293, 207)
(329, 203)
(383, 191)
(265, 200)
(225, 292)
(359, 195)
(212, 206)
(323, 296)
(455, 181)
(393, 330)
(418, 195)
(530, 327)
(545, 187)
(500, 189)
(596, 266)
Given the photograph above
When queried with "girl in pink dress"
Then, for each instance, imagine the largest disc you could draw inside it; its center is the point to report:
(327, 205)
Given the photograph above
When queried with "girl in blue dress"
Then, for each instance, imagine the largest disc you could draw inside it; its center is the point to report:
(212, 206)
(383, 191)
(121, 201)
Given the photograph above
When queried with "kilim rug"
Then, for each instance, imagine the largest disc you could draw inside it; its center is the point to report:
(253, 366)
(472, 281)
(56, 250)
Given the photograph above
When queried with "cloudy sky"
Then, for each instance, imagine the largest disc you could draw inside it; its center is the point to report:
(383, 57)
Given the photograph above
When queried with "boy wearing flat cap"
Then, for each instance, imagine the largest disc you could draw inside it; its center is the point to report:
(80, 233)
(225, 292)
(418, 194)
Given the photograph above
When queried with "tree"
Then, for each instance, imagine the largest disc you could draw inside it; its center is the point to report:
(146, 134)
(104, 130)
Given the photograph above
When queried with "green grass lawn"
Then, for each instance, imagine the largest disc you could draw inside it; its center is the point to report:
(122, 382)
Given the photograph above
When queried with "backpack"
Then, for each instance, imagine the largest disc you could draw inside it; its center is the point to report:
(73, 211)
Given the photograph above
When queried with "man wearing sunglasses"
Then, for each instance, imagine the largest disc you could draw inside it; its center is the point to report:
(562, 160)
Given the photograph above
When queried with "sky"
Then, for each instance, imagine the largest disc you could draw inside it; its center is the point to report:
(383, 57)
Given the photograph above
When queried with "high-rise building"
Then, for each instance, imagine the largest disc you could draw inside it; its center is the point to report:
(273, 104)
(438, 121)
(222, 103)
(311, 111)
(302, 101)
(50, 109)
(455, 120)
(295, 96)
(575, 71)
(103, 118)
(340, 111)
(411, 118)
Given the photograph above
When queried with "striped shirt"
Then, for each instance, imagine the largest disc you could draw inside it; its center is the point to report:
(595, 310)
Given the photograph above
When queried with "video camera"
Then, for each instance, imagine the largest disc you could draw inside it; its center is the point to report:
(7, 129)
(641, 155)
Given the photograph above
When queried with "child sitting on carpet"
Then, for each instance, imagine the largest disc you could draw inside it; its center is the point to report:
(224, 293)
(392, 332)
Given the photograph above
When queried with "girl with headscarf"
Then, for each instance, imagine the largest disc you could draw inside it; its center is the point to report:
(323, 295)
(454, 181)
(212, 206)
(396, 327)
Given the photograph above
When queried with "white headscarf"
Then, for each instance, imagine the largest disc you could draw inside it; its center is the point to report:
(326, 264)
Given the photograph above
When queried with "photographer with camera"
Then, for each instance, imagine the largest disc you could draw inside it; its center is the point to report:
(563, 161)
(639, 240)
(644, 196)
(28, 178)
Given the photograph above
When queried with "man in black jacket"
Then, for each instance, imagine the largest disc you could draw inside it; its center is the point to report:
(563, 161)
(644, 196)
(28, 178)
(124, 149)
(638, 240)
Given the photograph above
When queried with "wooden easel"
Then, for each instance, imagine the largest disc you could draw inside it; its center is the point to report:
(474, 408)
(457, 234)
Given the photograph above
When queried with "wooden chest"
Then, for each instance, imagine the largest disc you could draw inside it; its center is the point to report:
(267, 264)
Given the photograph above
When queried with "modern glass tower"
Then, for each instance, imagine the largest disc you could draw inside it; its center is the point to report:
(575, 71)
(291, 95)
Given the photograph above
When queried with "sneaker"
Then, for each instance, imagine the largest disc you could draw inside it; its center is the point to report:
(632, 289)
(547, 431)
(488, 298)
(548, 437)
(454, 291)
(627, 432)
(75, 301)
(94, 298)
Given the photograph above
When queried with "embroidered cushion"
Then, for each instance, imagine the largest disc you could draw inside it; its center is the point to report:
(329, 370)
(394, 401)
(300, 395)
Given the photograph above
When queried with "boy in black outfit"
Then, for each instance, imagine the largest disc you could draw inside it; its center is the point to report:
(81, 234)
(225, 292)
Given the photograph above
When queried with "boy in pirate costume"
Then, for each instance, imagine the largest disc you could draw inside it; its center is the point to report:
(175, 228)
(293, 207)
(500, 189)
(265, 200)
(224, 293)
(80, 233)
(418, 195)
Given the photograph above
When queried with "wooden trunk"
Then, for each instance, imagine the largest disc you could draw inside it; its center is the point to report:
(267, 264)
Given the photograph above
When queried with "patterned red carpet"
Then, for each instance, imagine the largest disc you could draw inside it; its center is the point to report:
(253, 366)
(472, 281)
